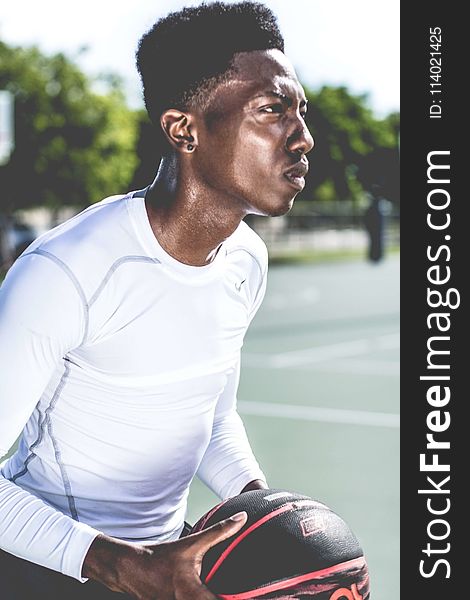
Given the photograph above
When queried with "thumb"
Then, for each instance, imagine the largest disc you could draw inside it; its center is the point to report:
(220, 531)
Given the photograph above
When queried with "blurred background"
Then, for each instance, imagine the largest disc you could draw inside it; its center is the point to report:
(319, 389)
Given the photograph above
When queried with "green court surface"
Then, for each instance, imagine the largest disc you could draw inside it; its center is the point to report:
(319, 396)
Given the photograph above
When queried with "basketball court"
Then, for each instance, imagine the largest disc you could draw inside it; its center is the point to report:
(319, 396)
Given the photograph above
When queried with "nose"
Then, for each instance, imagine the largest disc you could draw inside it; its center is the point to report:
(300, 141)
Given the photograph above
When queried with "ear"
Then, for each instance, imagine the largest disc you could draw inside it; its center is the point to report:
(180, 130)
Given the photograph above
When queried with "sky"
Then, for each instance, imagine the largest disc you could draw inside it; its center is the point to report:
(330, 42)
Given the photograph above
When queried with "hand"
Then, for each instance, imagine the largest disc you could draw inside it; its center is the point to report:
(256, 484)
(166, 571)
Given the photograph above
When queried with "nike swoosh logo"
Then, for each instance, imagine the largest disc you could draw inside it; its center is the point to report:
(238, 286)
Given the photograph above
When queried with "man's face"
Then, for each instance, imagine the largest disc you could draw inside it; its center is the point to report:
(253, 138)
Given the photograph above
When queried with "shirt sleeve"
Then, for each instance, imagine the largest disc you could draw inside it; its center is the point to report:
(229, 464)
(42, 316)
(261, 290)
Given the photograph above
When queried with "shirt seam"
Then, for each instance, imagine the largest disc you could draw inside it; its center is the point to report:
(45, 422)
(72, 277)
(112, 269)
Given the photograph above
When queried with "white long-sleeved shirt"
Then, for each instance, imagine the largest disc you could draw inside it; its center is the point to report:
(119, 368)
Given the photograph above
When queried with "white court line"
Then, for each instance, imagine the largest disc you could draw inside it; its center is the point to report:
(322, 415)
(359, 366)
(280, 301)
(323, 353)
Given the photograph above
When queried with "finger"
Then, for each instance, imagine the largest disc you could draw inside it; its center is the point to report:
(220, 531)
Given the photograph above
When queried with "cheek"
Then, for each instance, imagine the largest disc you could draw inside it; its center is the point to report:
(254, 155)
(242, 160)
(219, 153)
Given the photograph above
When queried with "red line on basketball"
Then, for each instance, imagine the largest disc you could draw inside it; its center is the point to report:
(291, 547)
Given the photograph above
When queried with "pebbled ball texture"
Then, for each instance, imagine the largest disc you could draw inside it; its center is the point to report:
(290, 547)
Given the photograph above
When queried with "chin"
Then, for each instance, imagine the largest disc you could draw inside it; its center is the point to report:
(276, 207)
(282, 211)
(281, 208)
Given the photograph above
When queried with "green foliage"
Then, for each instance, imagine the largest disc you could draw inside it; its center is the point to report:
(75, 146)
(354, 151)
(147, 150)
(72, 145)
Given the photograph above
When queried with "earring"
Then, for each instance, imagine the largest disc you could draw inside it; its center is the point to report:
(190, 147)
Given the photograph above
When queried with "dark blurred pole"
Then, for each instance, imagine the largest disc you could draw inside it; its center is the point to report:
(5, 250)
(374, 223)
(7, 145)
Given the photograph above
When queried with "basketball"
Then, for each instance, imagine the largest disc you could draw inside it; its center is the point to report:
(291, 547)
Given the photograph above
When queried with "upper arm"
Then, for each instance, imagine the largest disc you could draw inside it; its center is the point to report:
(227, 401)
(259, 296)
(256, 263)
(42, 317)
(260, 267)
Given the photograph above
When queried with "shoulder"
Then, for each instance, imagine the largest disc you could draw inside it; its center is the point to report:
(84, 225)
(87, 245)
(245, 241)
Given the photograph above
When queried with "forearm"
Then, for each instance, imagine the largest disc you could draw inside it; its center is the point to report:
(112, 562)
(229, 464)
(257, 484)
(35, 531)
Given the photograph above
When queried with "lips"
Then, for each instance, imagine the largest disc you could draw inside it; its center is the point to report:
(295, 174)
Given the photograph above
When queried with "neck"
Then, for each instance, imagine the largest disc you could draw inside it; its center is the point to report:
(189, 219)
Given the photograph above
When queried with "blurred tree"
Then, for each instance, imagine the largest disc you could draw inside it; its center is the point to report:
(379, 171)
(72, 145)
(147, 150)
(353, 150)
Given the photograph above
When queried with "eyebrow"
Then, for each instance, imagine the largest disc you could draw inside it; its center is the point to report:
(284, 97)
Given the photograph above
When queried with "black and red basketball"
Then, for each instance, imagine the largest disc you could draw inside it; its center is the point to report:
(290, 547)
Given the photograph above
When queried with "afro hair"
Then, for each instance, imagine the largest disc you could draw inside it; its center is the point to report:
(183, 57)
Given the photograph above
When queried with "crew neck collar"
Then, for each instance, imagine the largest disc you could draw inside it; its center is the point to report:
(138, 210)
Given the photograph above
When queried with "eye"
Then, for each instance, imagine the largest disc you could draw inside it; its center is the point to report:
(303, 114)
(273, 109)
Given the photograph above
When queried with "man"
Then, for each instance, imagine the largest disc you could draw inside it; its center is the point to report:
(121, 329)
